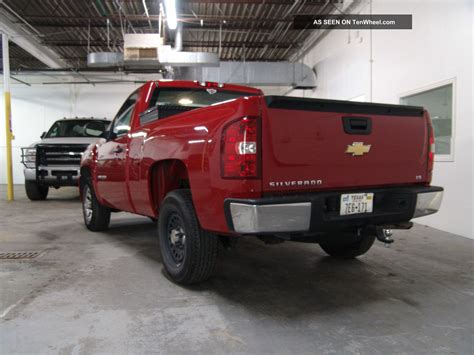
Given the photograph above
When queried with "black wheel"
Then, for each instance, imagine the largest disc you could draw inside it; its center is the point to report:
(96, 216)
(189, 253)
(36, 192)
(347, 247)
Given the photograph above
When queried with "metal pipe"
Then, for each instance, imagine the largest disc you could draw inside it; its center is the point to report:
(108, 34)
(160, 20)
(20, 81)
(20, 18)
(8, 115)
(83, 76)
(178, 37)
(89, 38)
(220, 39)
(146, 13)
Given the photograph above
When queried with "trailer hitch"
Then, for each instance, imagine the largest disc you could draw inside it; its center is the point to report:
(384, 233)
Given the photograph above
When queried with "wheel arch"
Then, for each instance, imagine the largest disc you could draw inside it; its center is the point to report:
(165, 176)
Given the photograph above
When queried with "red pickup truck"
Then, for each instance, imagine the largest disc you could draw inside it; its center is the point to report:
(212, 162)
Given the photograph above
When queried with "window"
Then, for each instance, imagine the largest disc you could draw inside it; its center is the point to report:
(122, 123)
(131, 100)
(77, 128)
(167, 102)
(439, 103)
(190, 97)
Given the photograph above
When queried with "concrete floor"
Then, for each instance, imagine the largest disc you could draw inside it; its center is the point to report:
(106, 292)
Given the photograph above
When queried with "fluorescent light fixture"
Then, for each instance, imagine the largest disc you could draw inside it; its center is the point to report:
(170, 9)
(185, 101)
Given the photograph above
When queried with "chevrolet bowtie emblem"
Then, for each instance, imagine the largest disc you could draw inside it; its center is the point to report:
(358, 149)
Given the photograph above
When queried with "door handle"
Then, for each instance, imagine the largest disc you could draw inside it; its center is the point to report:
(117, 149)
(357, 125)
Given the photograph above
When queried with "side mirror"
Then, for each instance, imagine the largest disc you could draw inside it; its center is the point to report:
(42, 135)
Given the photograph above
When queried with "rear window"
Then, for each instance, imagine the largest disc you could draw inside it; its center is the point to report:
(196, 97)
(171, 101)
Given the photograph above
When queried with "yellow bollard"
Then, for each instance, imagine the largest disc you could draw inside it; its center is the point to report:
(8, 114)
(9, 138)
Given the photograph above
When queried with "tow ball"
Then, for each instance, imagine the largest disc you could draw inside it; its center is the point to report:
(384, 235)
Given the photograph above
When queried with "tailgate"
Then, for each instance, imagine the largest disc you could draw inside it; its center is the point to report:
(310, 144)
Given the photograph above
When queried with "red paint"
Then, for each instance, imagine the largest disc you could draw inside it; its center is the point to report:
(291, 146)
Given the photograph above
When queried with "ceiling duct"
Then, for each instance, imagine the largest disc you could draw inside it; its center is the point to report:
(147, 51)
(104, 59)
(297, 75)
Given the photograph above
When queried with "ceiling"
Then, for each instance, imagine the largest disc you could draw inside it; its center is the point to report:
(249, 29)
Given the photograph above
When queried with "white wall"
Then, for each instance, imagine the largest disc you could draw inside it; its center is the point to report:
(36, 107)
(438, 48)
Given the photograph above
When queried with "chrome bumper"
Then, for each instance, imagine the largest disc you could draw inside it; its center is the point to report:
(288, 217)
(319, 212)
(49, 173)
(428, 203)
(30, 174)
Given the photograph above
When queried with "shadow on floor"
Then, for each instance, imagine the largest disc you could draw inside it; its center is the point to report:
(286, 280)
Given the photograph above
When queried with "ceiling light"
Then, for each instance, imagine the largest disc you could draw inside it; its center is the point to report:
(170, 9)
(185, 101)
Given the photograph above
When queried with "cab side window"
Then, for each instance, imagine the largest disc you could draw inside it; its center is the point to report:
(122, 123)
(131, 100)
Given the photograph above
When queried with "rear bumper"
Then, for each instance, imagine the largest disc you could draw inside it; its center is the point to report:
(319, 212)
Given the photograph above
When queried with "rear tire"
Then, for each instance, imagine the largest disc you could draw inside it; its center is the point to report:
(348, 250)
(35, 191)
(188, 252)
(96, 216)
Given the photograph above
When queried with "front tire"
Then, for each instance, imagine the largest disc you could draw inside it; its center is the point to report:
(188, 252)
(348, 249)
(35, 191)
(96, 216)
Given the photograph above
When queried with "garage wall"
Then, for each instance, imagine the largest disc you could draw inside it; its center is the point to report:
(35, 108)
(437, 49)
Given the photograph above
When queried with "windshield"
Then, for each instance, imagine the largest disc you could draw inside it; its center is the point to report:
(77, 128)
(193, 97)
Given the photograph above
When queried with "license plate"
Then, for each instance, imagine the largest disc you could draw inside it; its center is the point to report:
(356, 203)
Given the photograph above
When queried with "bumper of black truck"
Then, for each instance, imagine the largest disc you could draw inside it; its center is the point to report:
(320, 212)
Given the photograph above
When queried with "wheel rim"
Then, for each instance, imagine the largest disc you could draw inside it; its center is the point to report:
(176, 239)
(87, 204)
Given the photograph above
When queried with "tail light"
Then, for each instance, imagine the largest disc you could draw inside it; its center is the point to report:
(431, 148)
(240, 149)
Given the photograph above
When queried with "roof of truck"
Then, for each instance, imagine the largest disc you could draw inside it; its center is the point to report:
(83, 118)
(207, 84)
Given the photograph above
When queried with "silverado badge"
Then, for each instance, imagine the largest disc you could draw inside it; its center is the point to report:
(358, 148)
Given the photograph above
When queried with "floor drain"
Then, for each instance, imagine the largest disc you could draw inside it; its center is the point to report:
(15, 255)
